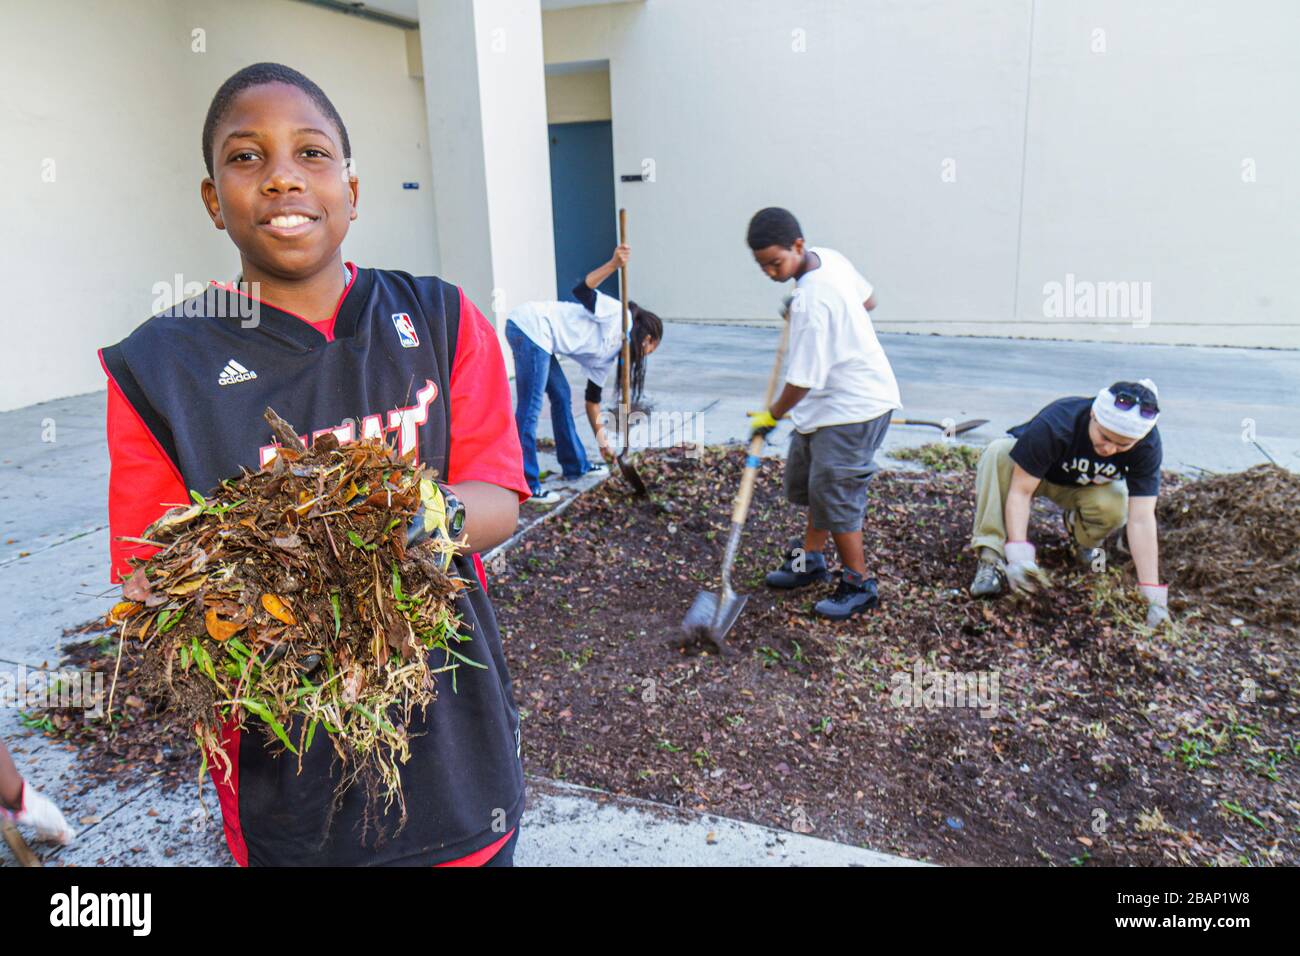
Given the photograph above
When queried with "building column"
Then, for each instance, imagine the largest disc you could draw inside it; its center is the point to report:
(485, 92)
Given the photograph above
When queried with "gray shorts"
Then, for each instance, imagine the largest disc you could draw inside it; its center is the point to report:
(827, 472)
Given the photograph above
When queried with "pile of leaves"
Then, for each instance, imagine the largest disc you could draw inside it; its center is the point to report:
(941, 455)
(289, 598)
(1231, 544)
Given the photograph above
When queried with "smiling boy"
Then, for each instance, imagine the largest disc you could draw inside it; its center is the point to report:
(357, 353)
(1099, 460)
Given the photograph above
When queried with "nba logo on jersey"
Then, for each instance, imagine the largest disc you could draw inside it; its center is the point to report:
(406, 330)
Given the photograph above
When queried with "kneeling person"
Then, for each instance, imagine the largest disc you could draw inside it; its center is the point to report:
(1099, 459)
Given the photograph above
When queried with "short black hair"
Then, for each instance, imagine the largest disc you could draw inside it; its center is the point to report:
(773, 226)
(259, 74)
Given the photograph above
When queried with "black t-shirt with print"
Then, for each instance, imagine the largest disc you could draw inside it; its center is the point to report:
(1054, 446)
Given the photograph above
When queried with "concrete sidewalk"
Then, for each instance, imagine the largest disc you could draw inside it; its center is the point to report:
(54, 560)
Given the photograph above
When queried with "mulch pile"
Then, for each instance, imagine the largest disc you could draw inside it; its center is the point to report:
(287, 600)
(1230, 545)
(1100, 742)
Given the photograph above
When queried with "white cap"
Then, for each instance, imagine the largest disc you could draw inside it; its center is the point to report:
(1127, 422)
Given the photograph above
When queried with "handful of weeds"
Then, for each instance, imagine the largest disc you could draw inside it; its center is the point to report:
(290, 599)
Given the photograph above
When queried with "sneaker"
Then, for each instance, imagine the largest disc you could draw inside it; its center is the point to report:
(990, 580)
(1092, 558)
(813, 564)
(548, 497)
(853, 595)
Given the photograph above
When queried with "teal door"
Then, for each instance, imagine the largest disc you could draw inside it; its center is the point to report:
(582, 202)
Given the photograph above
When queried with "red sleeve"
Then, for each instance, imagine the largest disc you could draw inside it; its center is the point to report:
(143, 481)
(484, 439)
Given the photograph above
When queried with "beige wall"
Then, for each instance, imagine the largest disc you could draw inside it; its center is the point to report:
(577, 97)
(1072, 166)
(116, 100)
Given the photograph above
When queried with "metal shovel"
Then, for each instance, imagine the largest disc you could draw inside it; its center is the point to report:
(960, 428)
(711, 616)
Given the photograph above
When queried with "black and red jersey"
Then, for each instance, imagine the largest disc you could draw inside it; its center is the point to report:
(404, 358)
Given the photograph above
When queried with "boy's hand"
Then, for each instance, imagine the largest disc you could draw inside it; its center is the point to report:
(621, 255)
(441, 518)
(760, 423)
(607, 453)
(36, 811)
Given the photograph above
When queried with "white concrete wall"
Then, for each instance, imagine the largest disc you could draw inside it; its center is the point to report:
(115, 96)
(486, 99)
(856, 114)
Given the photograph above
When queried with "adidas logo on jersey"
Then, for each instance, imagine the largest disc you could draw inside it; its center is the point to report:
(234, 373)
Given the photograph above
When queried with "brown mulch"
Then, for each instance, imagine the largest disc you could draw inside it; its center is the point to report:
(1108, 744)
(1234, 542)
(286, 601)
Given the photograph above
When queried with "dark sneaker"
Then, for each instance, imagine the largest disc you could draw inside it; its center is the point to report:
(853, 595)
(800, 569)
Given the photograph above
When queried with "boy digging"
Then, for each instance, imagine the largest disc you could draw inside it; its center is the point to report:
(839, 392)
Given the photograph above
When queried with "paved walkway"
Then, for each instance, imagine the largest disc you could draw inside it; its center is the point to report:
(54, 559)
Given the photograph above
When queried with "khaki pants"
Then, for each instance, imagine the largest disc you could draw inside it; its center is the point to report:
(1101, 508)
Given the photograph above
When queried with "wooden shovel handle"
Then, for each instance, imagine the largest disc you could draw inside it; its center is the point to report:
(16, 843)
(741, 510)
(627, 349)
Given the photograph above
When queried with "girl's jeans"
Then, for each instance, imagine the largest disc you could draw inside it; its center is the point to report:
(538, 373)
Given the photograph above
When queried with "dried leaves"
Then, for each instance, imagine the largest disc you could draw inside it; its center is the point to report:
(289, 595)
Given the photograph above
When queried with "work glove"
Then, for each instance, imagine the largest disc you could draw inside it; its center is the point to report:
(1023, 572)
(1157, 598)
(36, 811)
(760, 423)
(441, 520)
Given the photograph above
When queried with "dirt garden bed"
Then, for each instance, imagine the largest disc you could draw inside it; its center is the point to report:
(1107, 744)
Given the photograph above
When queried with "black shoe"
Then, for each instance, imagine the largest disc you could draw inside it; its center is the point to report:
(800, 569)
(853, 595)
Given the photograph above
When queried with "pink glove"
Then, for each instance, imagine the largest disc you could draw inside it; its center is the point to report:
(36, 811)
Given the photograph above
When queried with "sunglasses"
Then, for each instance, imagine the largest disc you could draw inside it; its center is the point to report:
(1126, 400)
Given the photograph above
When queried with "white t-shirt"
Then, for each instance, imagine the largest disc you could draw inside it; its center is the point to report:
(568, 329)
(834, 351)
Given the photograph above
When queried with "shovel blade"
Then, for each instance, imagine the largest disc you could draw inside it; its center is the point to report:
(630, 475)
(711, 617)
